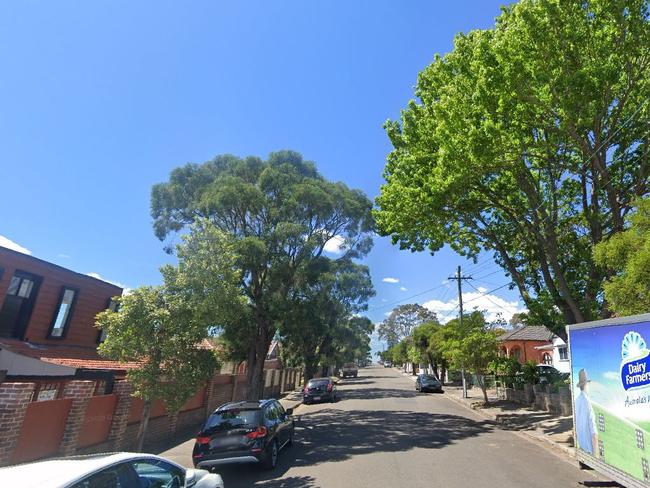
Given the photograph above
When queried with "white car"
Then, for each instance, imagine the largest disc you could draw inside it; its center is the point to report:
(118, 470)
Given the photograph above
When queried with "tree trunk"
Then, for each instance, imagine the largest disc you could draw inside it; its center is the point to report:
(310, 370)
(443, 371)
(144, 424)
(413, 369)
(481, 383)
(256, 356)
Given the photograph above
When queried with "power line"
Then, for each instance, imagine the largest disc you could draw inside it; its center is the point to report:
(490, 300)
(405, 299)
(490, 274)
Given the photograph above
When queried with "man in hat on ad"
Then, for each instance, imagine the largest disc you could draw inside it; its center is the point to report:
(585, 421)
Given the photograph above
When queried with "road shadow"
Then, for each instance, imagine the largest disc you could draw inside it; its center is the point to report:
(336, 435)
(376, 393)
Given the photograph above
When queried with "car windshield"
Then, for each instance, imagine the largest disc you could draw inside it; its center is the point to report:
(428, 378)
(231, 419)
(350, 365)
(314, 383)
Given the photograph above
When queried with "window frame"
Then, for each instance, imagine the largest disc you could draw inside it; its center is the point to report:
(565, 350)
(57, 310)
(159, 463)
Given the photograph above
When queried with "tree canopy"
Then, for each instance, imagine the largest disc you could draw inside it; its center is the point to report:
(530, 140)
(278, 215)
(473, 345)
(322, 325)
(627, 255)
(402, 321)
(157, 330)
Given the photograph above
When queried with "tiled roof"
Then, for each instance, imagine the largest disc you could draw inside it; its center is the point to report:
(528, 333)
(65, 355)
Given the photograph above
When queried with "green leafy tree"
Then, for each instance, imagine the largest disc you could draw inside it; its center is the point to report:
(161, 333)
(506, 368)
(402, 321)
(321, 326)
(627, 256)
(530, 140)
(428, 338)
(473, 346)
(279, 214)
(399, 353)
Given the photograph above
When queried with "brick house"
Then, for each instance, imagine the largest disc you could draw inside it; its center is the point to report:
(47, 316)
(528, 343)
(57, 395)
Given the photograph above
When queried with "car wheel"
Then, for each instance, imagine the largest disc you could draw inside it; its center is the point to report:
(271, 458)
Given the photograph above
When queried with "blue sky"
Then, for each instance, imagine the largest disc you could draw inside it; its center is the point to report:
(100, 100)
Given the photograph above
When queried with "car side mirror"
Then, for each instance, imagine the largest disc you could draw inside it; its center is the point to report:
(289, 411)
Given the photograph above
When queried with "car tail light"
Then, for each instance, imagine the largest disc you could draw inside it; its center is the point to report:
(329, 387)
(203, 439)
(257, 433)
(306, 390)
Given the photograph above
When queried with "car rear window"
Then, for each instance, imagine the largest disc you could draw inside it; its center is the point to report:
(425, 377)
(232, 419)
(318, 382)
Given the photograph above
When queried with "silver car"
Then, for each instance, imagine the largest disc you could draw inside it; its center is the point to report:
(118, 470)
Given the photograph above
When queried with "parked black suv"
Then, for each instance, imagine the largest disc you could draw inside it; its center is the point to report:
(244, 432)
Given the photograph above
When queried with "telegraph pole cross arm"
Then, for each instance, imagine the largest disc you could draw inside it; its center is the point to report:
(459, 277)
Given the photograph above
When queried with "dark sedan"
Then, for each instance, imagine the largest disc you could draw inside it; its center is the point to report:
(320, 389)
(244, 432)
(428, 382)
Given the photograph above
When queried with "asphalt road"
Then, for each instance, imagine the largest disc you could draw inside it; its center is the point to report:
(383, 433)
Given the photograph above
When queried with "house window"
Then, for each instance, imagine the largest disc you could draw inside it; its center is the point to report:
(63, 312)
(20, 286)
(547, 359)
(515, 352)
(564, 355)
(45, 391)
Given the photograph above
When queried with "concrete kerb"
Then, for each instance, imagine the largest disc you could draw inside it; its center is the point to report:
(292, 399)
(528, 435)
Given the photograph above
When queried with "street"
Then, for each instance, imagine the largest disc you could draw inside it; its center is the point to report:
(381, 432)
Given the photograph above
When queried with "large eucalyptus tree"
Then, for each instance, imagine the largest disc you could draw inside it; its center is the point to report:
(278, 215)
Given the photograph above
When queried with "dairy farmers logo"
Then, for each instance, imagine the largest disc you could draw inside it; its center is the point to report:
(635, 363)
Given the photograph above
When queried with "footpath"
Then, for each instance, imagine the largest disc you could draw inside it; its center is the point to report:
(542, 426)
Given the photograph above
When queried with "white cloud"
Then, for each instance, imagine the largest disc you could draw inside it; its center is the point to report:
(384, 300)
(63, 256)
(387, 314)
(493, 306)
(334, 245)
(388, 279)
(403, 288)
(9, 244)
(611, 375)
(125, 289)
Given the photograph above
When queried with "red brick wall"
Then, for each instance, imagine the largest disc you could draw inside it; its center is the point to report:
(97, 420)
(528, 351)
(92, 298)
(42, 430)
(14, 399)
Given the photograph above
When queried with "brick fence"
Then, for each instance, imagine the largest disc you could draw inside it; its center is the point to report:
(111, 423)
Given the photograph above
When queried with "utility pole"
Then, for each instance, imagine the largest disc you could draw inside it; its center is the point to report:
(459, 277)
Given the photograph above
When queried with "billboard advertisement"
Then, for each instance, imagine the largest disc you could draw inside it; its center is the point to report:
(610, 372)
